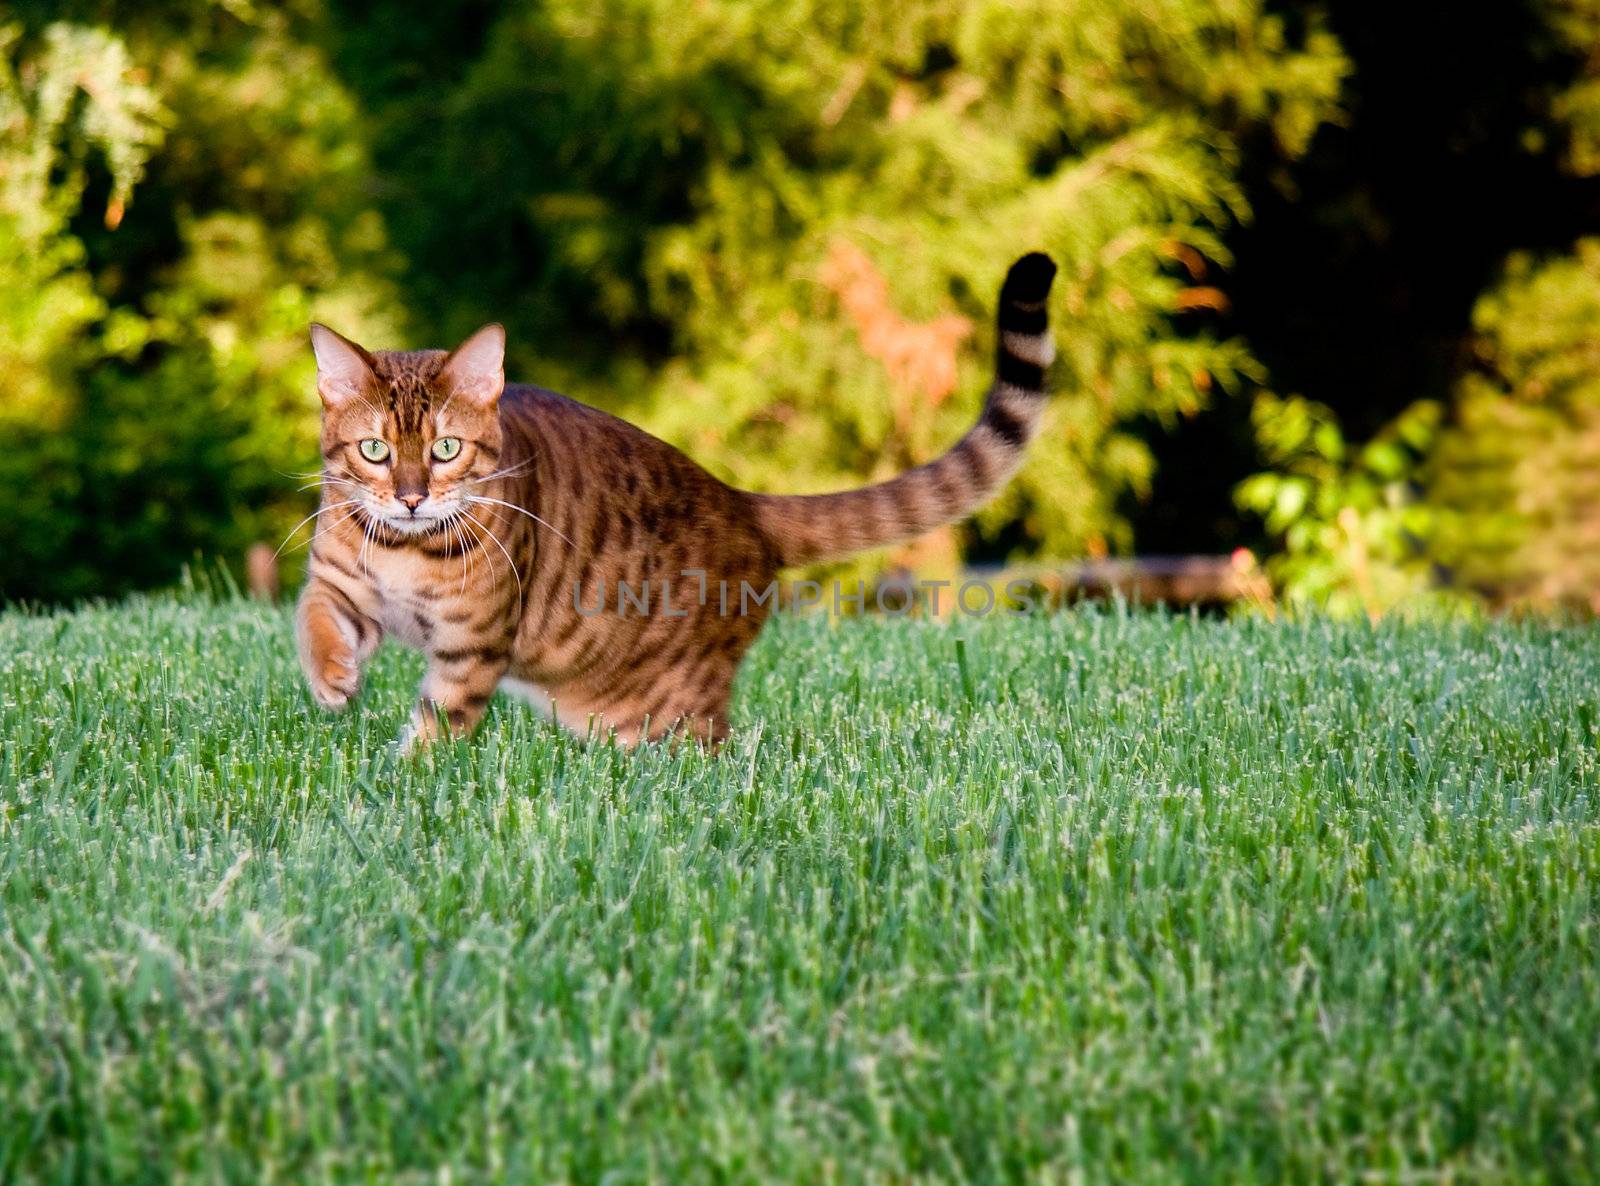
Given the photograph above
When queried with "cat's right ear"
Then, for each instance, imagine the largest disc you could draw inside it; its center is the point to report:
(344, 370)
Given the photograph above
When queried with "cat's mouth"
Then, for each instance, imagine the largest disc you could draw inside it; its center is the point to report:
(413, 524)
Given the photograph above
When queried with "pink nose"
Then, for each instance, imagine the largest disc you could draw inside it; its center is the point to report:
(412, 501)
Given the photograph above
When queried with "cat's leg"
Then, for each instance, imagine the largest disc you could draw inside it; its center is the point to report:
(701, 715)
(334, 639)
(454, 693)
(574, 720)
(688, 700)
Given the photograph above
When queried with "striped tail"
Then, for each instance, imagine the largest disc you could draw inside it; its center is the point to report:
(811, 527)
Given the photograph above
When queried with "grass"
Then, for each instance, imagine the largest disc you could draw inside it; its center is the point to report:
(1099, 897)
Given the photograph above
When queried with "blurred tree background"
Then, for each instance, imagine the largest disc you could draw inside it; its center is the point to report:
(771, 231)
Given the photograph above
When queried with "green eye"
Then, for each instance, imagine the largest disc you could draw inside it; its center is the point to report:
(373, 449)
(446, 447)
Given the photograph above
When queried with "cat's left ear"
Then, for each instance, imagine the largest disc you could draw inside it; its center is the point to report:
(476, 369)
(344, 370)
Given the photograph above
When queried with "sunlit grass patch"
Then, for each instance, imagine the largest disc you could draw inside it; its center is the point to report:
(1141, 898)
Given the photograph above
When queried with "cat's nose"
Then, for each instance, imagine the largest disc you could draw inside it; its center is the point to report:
(412, 501)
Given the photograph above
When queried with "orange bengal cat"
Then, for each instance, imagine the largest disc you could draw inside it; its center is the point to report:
(484, 523)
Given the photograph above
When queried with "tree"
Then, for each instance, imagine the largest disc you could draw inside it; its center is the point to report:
(1517, 477)
(77, 94)
(1490, 487)
(771, 230)
(680, 185)
(157, 383)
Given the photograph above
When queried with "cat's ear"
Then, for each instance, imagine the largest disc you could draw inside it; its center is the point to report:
(476, 370)
(344, 370)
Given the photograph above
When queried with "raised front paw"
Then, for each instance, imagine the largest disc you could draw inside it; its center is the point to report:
(334, 680)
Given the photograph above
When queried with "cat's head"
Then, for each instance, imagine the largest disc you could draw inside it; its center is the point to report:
(409, 435)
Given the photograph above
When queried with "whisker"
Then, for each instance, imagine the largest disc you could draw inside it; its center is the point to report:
(321, 528)
(510, 563)
(487, 559)
(366, 538)
(500, 502)
(312, 481)
(335, 481)
(328, 478)
(314, 514)
(455, 533)
(366, 402)
(500, 473)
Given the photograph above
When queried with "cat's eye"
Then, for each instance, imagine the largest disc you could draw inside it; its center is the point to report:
(374, 450)
(446, 448)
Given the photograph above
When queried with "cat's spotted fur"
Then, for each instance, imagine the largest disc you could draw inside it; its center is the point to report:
(474, 560)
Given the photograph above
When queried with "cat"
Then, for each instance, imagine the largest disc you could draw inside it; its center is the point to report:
(475, 520)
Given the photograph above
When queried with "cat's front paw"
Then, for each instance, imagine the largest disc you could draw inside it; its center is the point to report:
(334, 681)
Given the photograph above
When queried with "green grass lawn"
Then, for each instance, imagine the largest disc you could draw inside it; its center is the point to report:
(1108, 897)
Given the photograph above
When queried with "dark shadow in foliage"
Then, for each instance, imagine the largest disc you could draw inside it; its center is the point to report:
(522, 171)
(128, 490)
(1355, 281)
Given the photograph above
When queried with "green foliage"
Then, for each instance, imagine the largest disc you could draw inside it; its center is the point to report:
(1517, 477)
(1354, 529)
(76, 95)
(655, 198)
(941, 150)
(155, 376)
(770, 231)
(1167, 900)
(1573, 111)
(1499, 494)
